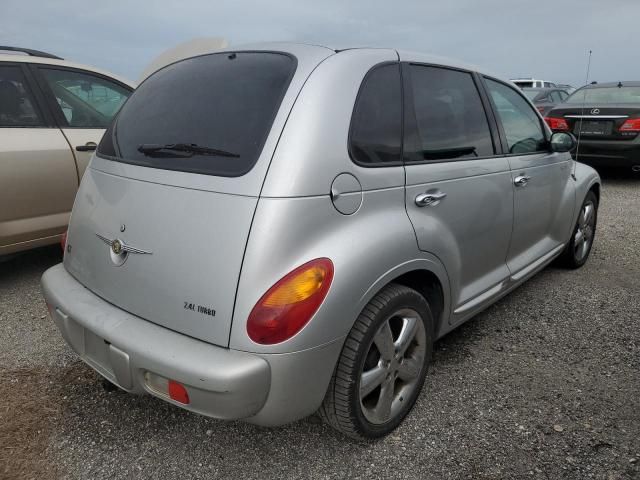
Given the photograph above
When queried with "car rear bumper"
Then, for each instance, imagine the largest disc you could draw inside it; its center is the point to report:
(221, 383)
(610, 153)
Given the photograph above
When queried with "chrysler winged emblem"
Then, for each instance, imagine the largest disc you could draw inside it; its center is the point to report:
(118, 247)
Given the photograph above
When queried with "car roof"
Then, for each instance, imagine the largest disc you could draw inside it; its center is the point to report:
(542, 89)
(529, 79)
(26, 58)
(635, 83)
(403, 55)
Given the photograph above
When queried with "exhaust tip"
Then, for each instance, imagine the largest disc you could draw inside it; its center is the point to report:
(636, 168)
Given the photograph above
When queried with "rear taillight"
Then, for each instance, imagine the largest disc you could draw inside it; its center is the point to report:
(631, 125)
(63, 241)
(290, 303)
(556, 123)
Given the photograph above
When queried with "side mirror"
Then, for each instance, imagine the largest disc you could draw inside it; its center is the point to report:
(562, 142)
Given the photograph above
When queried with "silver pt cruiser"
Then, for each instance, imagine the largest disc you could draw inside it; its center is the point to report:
(277, 230)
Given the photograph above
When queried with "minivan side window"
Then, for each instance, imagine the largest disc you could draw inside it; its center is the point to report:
(375, 136)
(520, 122)
(17, 106)
(450, 120)
(85, 100)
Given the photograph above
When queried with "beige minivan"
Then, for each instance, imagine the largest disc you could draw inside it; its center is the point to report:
(52, 115)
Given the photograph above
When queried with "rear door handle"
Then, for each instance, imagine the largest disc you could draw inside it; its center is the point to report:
(521, 180)
(429, 199)
(87, 147)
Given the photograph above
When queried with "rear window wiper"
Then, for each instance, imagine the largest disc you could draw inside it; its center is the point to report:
(155, 149)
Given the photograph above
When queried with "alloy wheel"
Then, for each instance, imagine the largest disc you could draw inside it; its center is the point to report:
(583, 237)
(392, 366)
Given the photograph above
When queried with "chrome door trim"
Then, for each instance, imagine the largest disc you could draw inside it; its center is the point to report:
(597, 117)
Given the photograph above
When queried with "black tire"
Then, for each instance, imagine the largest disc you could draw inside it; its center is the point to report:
(571, 257)
(342, 408)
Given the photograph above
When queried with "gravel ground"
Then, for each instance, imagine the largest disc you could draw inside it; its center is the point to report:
(545, 384)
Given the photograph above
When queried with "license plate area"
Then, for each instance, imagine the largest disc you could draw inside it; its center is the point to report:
(593, 127)
(96, 352)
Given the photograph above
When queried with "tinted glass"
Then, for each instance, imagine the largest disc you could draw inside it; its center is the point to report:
(449, 116)
(376, 127)
(86, 100)
(224, 102)
(17, 106)
(605, 95)
(563, 96)
(520, 122)
(555, 97)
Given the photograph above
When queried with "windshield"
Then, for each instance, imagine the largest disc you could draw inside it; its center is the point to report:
(209, 114)
(605, 95)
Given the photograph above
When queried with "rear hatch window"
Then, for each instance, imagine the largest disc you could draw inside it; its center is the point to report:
(209, 114)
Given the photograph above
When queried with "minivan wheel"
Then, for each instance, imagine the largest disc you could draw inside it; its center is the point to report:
(383, 364)
(579, 247)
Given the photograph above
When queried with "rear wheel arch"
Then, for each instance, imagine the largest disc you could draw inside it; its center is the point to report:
(427, 284)
(595, 188)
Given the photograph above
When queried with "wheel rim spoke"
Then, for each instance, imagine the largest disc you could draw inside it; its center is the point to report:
(588, 214)
(407, 334)
(384, 341)
(583, 248)
(371, 379)
(409, 369)
(383, 408)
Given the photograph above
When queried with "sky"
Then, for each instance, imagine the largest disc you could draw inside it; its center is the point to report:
(513, 38)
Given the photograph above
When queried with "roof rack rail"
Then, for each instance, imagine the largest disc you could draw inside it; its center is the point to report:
(33, 53)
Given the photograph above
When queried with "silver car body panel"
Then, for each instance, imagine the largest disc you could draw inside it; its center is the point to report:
(225, 241)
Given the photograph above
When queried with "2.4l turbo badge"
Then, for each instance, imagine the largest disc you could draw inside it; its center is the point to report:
(200, 309)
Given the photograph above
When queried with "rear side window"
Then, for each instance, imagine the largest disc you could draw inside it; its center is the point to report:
(450, 119)
(376, 126)
(520, 122)
(17, 106)
(209, 114)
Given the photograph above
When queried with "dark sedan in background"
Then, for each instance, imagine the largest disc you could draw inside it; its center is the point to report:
(606, 119)
(545, 98)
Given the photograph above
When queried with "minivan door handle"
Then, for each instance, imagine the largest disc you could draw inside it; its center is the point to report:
(429, 199)
(521, 180)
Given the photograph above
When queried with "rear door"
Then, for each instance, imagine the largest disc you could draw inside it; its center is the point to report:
(458, 188)
(84, 104)
(543, 193)
(160, 230)
(38, 177)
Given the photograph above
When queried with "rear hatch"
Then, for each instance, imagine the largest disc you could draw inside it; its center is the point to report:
(163, 214)
(602, 122)
(602, 112)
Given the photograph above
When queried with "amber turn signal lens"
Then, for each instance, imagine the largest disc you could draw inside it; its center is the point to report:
(290, 303)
